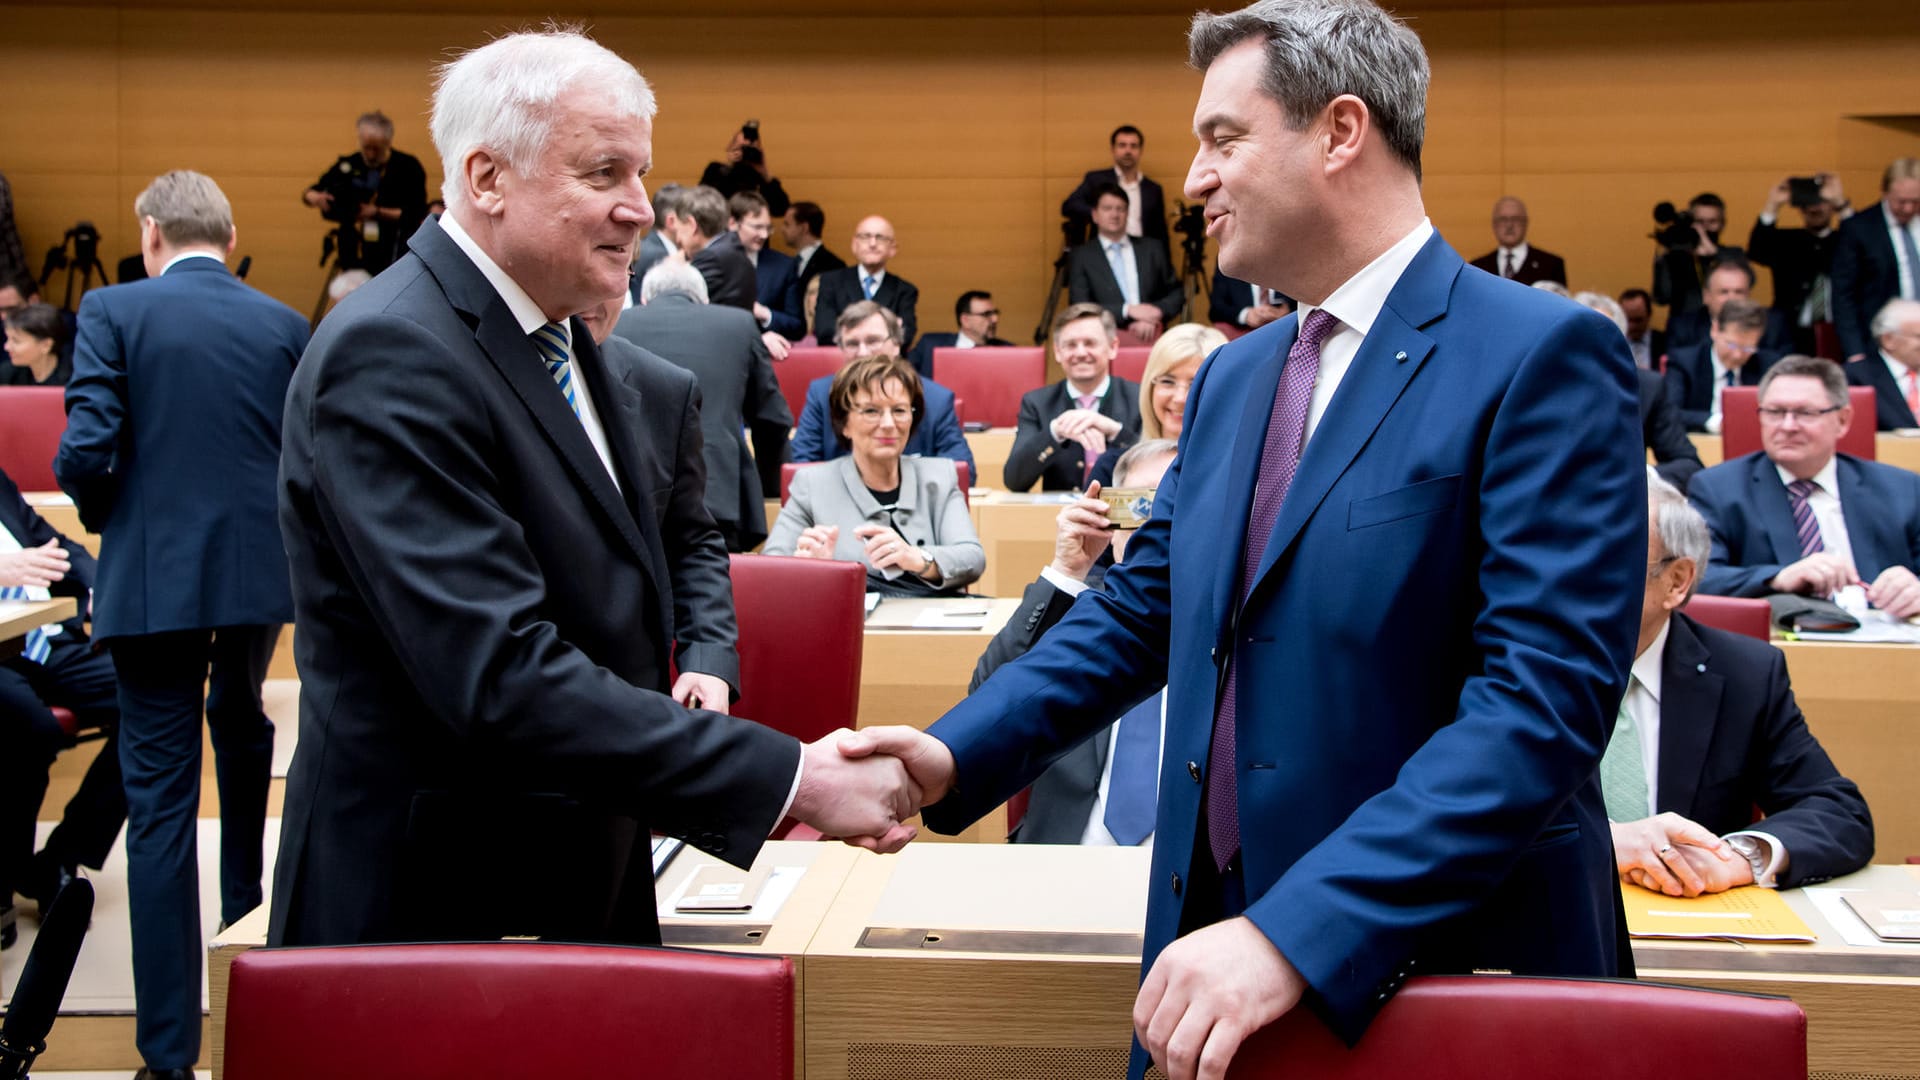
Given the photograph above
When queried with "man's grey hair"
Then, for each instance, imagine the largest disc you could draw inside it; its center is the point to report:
(189, 208)
(376, 120)
(675, 278)
(1832, 379)
(500, 97)
(1896, 313)
(1682, 531)
(1139, 453)
(1605, 305)
(1318, 50)
(1553, 287)
(708, 210)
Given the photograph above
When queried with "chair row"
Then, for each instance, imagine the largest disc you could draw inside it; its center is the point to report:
(987, 382)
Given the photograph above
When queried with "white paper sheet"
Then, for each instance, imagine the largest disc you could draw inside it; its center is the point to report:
(780, 885)
(1832, 906)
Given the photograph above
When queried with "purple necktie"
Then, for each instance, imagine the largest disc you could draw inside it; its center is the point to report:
(1805, 525)
(1279, 457)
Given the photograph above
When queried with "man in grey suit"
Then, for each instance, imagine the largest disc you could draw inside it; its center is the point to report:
(1129, 276)
(723, 349)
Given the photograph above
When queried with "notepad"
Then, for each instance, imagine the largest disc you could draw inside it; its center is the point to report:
(1749, 913)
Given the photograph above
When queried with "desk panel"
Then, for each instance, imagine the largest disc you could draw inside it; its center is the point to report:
(990, 449)
(1900, 451)
(1863, 703)
(1017, 531)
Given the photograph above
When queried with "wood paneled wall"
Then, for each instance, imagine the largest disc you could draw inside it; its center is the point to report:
(967, 131)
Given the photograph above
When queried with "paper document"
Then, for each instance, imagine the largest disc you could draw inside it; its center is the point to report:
(780, 885)
(1832, 905)
(1875, 626)
(952, 618)
(1749, 913)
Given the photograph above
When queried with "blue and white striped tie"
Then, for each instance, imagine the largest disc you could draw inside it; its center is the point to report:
(552, 342)
(868, 285)
(38, 648)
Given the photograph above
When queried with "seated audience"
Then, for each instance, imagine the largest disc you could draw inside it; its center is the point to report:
(1731, 357)
(867, 279)
(1708, 733)
(702, 236)
(1895, 373)
(1648, 344)
(1235, 303)
(1679, 272)
(1660, 426)
(1171, 366)
(1131, 277)
(745, 170)
(802, 227)
(979, 321)
(1798, 517)
(866, 330)
(1146, 203)
(777, 282)
(1727, 280)
(1104, 790)
(902, 516)
(1801, 259)
(39, 347)
(1064, 428)
(1877, 257)
(669, 208)
(57, 665)
(1513, 257)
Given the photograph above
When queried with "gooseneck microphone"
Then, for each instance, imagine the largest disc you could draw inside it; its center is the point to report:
(43, 982)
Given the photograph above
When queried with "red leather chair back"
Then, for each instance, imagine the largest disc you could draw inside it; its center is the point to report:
(387, 1012)
(961, 470)
(32, 419)
(1131, 361)
(1480, 1026)
(1735, 614)
(991, 379)
(802, 625)
(1231, 330)
(1740, 422)
(800, 368)
(1826, 342)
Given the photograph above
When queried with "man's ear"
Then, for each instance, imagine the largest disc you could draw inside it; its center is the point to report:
(486, 180)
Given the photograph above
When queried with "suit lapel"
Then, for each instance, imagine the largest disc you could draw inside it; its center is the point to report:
(1244, 468)
(1776, 516)
(1868, 552)
(1689, 709)
(620, 408)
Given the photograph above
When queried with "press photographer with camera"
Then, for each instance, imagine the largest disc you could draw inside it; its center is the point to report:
(1690, 245)
(745, 169)
(1801, 259)
(377, 196)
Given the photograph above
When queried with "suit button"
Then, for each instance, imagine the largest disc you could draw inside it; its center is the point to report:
(1176, 884)
(1193, 770)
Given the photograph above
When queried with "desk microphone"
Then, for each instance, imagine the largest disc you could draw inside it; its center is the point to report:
(43, 982)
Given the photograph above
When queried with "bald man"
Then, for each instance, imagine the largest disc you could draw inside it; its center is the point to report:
(867, 279)
(1514, 257)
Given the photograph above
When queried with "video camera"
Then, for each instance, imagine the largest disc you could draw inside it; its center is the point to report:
(348, 194)
(1192, 227)
(85, 241)
(751, 153)
(1674, 228)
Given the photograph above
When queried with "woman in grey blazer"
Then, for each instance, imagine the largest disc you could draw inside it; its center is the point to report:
(904, 517)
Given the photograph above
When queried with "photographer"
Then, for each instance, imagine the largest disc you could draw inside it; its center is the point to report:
(1801, 259)
(1691, 245)
(745, 169)
(378, 196)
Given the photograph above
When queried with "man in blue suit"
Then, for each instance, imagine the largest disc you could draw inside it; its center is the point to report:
(867, 329)
(1391, 582)
(171, 451)
(1796, 516)
(776, 274)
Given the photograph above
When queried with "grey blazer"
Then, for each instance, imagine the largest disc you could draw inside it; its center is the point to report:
(931, 513)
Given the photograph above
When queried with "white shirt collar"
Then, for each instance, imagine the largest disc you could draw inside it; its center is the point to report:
(525, 311)
(185, 255)
(1358, 302)
(962, 341)
(1646, 666)
(806, 251)
(879, 277)
(1099, 392)
(1828, 477)
(1518, 253)
(1893, 225)
(1899, 370)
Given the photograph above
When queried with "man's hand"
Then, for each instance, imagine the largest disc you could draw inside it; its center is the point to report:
(927, 760)
(1778, 196)
(1671, 855)
(1260, 315)
(1822, 573)
(1706, 248)
(34, 567)
(862, 798)
(1207, 992)
(319, 200)
(816, 542)
(1143, 331)
(697, 691)
(1089, 427)
(887, 549)
(1897, 592)
(778, 347)
(1830, 189)
(1081, 533)
(367, 210)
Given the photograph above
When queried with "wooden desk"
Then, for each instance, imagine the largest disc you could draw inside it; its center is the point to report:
(18, 618)
(990, 449)
(1900, 451)
(1017, 530)
(1863, 703)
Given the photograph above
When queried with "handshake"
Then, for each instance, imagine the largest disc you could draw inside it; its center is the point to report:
(861, 786)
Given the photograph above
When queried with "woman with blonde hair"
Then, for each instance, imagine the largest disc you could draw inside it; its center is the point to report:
(1163, 388)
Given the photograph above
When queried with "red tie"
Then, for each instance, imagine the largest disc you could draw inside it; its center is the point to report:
(1913, 392)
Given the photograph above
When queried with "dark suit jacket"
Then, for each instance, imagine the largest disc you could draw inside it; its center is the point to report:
(1677, 276)
(652, 250)
(1153, 204)
(738, 394)
(1058, 465)
(1797, 257)
(1664, 433)
(1452, 820)
(172, 446)
(1731, 739)
(31, 530)
(922, 356)
(778, 284)
(819, 263)
(1539, 266)
(1889, 399)
(1090, 279)
(938, 433)
(485, 621)
(730, 275)
(841, 288)
(1227, 297)
(1746, 508)
(1692, 328)
(1866, 274)
(1690, 381)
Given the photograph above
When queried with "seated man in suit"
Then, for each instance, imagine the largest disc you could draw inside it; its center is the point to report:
(1730, 279)
(1146, 203)
(979, 321)
(1895, 373)
(1801, 259)
(1660, 427)
(1064, 428)
(1243, 306)
(1130, 277)
(867, 329)
(1513, 257)
(777, 281)
(802, 227)
(1648, 344)
(56, 665)
(1709, 731)
(702, 236)
(1798, 517)
(1678, 273)
(1877, 257)
(1731, 357)
(1102, 792)
(867, 279)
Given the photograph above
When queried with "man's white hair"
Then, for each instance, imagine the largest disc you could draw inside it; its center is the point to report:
(500, 97)
(672, 277)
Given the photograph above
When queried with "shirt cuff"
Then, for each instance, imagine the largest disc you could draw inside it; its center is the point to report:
(1776, 853)
(1713, 424)
(1768, 219)
(1062, 582)
(1245, 314)
(794, 790)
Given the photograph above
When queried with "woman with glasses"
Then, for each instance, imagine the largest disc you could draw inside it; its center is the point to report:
(1163, 388)
(903, 516)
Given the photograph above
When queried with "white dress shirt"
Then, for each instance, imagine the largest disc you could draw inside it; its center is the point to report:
(1903, 376)
(801, 257)
(961, 341)
(1825, 504)
(9, 544)
(1357, 304)
(879, 278)
(1720, 372)
(1128, 277)
(1513, 258)
(184, 256)
(1642, 348)
(1133, 200)
(1908, 276)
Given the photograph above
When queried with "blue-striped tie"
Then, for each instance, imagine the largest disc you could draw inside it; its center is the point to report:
(38, 648)
(1805, 525)
(552, 342)
(867, 284)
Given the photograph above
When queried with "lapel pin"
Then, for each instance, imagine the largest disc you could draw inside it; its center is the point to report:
(1399, 356)
(1701, 668)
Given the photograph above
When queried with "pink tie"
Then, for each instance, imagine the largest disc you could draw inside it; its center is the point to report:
(1913, 393)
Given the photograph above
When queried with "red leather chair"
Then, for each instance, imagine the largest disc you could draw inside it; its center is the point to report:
(388, 1012)
(991, 379)
(1740, 422)
(1478, 1027)
(1735, 614)
(802, 625)
(798, 371)
(32, 419)
(961, 470)
(1826, 342)
(1231, 330)
(1131, 361)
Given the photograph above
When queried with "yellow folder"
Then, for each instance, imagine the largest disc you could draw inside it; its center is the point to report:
(1749, 913)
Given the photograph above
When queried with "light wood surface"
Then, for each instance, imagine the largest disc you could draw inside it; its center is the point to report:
(1863, 703)
(1900, 451)
(20, 617)
(1017, 531)
(990, 449)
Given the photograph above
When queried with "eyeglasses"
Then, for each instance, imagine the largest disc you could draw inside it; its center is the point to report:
(1169, 382)
(1773, 414)
(853, 346)
(873, 238)
(870, 414)
(1521, 220)
(1654, 568)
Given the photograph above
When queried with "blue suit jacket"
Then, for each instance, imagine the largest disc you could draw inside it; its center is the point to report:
(1431, 655)
(937, 434)
(172, 449)
(1746, 507)
(778, 279)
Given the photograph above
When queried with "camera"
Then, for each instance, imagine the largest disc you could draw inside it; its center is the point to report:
(85, 241)
(751, 154)
(1803, 191)
(750, 131)
(1674, 228)
(1192, 227)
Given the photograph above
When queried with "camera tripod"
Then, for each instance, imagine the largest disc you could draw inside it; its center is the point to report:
(1072, 234)
(85, 241)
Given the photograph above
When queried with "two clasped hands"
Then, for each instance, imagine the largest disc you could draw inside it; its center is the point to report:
(862, 786)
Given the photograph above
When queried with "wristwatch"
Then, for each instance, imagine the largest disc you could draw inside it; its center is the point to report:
(1755, 851)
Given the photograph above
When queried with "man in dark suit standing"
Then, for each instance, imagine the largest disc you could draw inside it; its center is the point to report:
(1349, 795)
(1797, 516)
(1236, 306)
(498, 537)
(1661, 428)
(1709, 731)
(776, 279)
(1731, 279)
(1064, 428)
(1731, 356)
(738, 392)
(1514, 258)
(1801, 259)
(1129, 277)
(702, 236)
(170, 452)
(979, 320)
(1146, 204)
(1679, 273)
(1648, 344)
(866, 279)
(1877, 257)
(802, 227)
(1894, 373)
